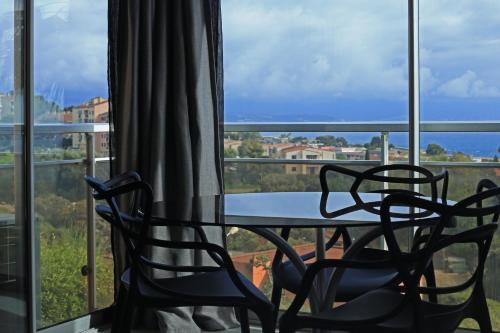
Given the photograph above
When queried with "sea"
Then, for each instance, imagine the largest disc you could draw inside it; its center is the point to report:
(432, 109)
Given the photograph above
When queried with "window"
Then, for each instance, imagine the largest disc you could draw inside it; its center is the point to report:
(310, 61)
(70, 69)
(460, 81)
(13, 275)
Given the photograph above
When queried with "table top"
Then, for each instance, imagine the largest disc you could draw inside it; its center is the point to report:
(273, 210)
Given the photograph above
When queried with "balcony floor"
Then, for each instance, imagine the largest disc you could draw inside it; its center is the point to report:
(235, 330)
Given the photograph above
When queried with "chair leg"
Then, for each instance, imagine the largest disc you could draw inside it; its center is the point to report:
(482, 316)
(285, 328)
(123, 321)
(243, 318)
(276, 300)
(267, 320)
(118, 311)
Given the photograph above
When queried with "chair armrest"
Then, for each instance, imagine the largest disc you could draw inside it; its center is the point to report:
(127, 176)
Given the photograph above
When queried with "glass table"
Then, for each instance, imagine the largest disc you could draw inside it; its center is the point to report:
(263, 213)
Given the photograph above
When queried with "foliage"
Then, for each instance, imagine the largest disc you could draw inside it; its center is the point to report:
(461, 157)
(434, 149)
(375, 142)
(60, 212)
(289, 183)
(63, 288)
(230, 153)
(250, 148)
(299, 139)
(263, 261)
(330, 140)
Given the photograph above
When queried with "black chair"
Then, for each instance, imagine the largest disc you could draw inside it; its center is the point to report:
(356, 282)
(402, 307)
(218, 285)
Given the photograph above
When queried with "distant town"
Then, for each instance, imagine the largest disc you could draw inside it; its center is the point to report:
(236, 145)
(96, 110)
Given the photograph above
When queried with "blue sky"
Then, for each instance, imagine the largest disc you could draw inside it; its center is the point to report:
(297, 59)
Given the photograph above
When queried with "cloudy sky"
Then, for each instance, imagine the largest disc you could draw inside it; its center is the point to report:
(302, 59)
(339, 56)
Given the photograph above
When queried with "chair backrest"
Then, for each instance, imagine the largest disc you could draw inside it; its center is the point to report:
(134, 224)
(486, 184)
(412, 264)
(377, 180)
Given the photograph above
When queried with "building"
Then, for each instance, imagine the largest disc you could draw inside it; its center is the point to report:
(232, 144)
(102, 139)
(256, 265)
(305, 153)
(273, 150)
(94, 111)
(352, 153)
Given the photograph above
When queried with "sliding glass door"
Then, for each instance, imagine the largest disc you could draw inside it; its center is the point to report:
(13, 227)
(74, 271)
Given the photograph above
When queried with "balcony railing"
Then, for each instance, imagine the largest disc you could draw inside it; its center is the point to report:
(384, 128)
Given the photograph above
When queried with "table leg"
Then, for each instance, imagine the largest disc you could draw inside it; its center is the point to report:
(321, 254)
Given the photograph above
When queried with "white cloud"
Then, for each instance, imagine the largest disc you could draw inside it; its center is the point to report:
(428, 81)
(297, 49)
(468, 85)
(70, 49)
(356, 48)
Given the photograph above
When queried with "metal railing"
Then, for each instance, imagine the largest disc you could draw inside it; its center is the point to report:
(384, 128)
(90, 160)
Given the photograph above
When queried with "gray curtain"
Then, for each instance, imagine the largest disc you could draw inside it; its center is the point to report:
(165, 83)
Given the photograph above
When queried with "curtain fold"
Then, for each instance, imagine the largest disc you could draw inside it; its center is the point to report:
(166, 92)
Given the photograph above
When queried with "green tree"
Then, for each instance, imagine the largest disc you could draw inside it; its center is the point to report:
(330, 140)
(298, 139)
(63, 296)
(376, 142)
(250, 148)
(435, 149)
(327, 140)
(460, 157)
(230, 153)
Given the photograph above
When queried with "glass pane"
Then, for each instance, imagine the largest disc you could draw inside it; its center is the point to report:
(308, 61)
(460, 74)
(13, 307)
(317, 60)
(70, 64)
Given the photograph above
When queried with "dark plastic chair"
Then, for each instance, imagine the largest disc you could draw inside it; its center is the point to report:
(401, 308)
(218, 285)
(356, 282)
